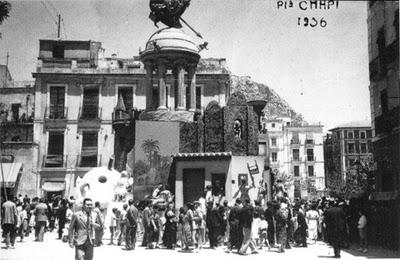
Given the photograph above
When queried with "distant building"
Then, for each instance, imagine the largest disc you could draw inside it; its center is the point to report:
(383, 43)
(87, 104)
(343, 147)
(16, 128)
(295, 154)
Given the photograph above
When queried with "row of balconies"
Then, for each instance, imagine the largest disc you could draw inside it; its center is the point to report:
(61, 113)
(307, 142)
(309, 159)
(57, 117)
(68, 161)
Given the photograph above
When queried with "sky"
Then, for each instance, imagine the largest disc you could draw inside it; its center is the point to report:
(322, 72)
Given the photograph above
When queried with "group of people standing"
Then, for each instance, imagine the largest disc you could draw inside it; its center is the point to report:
(278, 224)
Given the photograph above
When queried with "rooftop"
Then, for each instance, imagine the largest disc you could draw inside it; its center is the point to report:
(353, 124)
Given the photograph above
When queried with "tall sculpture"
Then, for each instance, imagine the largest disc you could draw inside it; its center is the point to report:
(172, 50)
(168, 11)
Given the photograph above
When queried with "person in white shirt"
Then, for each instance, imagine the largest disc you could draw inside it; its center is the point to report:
(263, 232)
(362, 230)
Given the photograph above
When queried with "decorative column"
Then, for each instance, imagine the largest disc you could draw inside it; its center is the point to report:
(192, 85)
(180, 79)
(161, 86)
(149, 85)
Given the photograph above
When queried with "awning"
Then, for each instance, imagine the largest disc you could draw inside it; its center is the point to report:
(11, 171)
(53, 186)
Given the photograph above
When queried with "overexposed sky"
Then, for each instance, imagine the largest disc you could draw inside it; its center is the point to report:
(321, 72)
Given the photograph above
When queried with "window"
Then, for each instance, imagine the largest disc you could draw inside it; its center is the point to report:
(273, 141)
(310, 155)
(127, 96)
(351, 148)
(356, 134)
(287, 123)
(89, 149)
(58, 51)
(296, 155)
(310, 171)
(296, 171)
(90, 104)
(55, 150)
(273, 125)
(57, 99)
(350, 135)
(15, 111)
(369, 133)
(363, 147)
(384, 102)
(295, 138)
(362, 135)
(274, 157)
(262, 148)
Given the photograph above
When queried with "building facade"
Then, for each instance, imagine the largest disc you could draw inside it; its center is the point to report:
(383, 43)
(87, 104)
(16, 133)
(295, 154)
(345, 147)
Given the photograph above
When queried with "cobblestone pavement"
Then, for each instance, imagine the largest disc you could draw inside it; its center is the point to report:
(54, 249)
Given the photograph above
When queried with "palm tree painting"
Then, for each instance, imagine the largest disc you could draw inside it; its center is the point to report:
(151, 148)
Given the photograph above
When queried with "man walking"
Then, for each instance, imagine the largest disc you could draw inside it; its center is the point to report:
(41, 218)
(81, 231)
(9, 222)
(335, 221)
(131, 226)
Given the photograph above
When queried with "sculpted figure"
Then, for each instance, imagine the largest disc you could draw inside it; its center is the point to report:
(168, 11)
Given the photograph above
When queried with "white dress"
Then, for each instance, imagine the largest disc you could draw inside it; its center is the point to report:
(312, 217)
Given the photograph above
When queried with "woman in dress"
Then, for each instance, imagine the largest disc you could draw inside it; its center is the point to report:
(169, 238)
(312, 217)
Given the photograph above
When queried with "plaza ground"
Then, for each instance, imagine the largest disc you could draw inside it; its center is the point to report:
(54, 249)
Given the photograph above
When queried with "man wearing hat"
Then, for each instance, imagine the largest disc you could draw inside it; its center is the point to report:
(335, 221)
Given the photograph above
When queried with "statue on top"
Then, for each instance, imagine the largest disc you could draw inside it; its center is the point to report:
(168, 12)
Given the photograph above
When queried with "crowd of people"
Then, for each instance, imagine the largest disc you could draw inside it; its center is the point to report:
(211, 220)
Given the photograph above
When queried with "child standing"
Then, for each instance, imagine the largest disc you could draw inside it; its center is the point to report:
(113, 225)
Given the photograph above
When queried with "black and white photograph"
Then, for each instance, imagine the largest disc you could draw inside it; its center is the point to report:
(199, 129)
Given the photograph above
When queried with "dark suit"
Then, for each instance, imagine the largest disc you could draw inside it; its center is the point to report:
(81, 232)
(301, 232)
(336, 221)
(41, 211)
(131, 227)
(235, 232)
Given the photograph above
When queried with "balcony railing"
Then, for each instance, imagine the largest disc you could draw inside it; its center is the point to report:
(309, 142)
(295, 142)
(90, 113)
(55, 112)
(311, 158)
(55, 161)
(296, 159)
(88, 161)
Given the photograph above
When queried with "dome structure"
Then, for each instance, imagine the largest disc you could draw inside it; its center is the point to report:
(170, 43)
